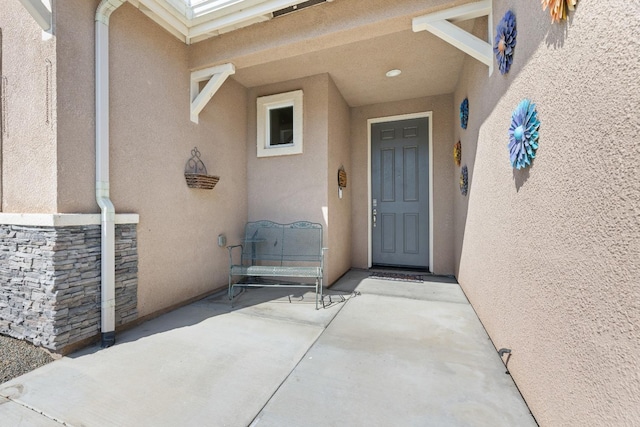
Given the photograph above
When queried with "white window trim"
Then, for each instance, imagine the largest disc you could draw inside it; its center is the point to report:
(265, 105)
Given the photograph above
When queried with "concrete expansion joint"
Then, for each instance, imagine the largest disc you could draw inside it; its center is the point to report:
(256, 419)
(32, 408)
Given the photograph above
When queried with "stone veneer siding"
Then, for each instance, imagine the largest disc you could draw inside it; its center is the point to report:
(50, 282)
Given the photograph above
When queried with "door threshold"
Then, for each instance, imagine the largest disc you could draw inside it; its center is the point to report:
(399, 269)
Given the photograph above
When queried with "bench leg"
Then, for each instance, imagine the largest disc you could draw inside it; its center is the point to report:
(319, 288)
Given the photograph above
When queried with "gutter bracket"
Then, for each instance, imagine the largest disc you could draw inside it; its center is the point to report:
(216, 76)
(441, 25)
(41, 12)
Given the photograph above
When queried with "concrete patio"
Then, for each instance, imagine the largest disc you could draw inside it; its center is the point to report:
(382, 353)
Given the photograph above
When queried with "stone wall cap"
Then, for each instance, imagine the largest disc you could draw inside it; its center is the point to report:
(62, 220)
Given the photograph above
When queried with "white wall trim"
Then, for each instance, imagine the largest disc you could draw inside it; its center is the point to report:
(264, 104)
(62, 220)
(429, 115)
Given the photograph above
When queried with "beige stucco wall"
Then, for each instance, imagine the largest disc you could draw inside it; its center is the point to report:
(151, 140)
(549, 256)
(304, 186)
(74, 31)
(27, 122)
(339, 146)
(442, 132)
(291, 188)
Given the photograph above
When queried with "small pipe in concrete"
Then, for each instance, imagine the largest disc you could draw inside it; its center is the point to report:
(502, 351)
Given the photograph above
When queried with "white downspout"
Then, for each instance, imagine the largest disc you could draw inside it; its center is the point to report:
(108, 268)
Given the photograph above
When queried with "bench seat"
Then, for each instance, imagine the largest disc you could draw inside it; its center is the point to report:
(275, 271)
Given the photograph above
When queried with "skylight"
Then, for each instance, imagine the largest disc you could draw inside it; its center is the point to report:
(195, 20)
(200, 7)
(195, 8)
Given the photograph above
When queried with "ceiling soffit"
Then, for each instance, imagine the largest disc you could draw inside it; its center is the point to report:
(354, 41)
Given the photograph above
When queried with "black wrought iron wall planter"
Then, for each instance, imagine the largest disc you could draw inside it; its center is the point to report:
(195, 172)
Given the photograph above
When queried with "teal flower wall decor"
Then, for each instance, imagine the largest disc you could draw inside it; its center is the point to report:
(464, 180)
(523, 134)
(505, 41)
(464, 113)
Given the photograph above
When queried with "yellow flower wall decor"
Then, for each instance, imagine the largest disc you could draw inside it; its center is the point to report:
(457, 153)
(558, 8)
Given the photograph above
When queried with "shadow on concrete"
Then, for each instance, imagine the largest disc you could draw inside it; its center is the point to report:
(292, 305)
(280, 303)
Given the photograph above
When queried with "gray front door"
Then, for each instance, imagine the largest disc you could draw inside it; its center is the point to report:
(400, 193)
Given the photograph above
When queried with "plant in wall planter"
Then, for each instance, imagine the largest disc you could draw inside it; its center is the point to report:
(457, 153)
(558, 8)
(523, 134)
(464, 180)
(505, 41)
(464, 113)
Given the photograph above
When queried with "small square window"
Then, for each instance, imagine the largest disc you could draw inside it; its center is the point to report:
(280, 124)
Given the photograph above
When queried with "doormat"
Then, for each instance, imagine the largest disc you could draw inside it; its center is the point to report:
(402, 277)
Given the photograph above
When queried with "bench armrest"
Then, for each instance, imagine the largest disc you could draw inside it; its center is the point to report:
(230, 249)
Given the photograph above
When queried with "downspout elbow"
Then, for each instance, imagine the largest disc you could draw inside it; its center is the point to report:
(106, 8)
(108, 265)
(103, 199)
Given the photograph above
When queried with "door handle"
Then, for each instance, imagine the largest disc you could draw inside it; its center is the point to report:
(375, 216)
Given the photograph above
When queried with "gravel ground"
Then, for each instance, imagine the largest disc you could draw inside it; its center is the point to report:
(19, 357)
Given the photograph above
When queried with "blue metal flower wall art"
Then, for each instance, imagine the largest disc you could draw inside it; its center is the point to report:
(464, 113)
(505, 41)
(523, 134)
(464, 180)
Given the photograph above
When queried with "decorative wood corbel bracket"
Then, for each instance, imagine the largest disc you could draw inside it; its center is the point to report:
(216, 76)
(441, 25)
(40, 12)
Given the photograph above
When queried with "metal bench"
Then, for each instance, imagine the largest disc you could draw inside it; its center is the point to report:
(279, 251)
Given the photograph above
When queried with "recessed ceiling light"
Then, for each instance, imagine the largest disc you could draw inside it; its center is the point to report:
(393, 73)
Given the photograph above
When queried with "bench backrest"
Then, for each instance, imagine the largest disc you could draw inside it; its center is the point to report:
(281, 243)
